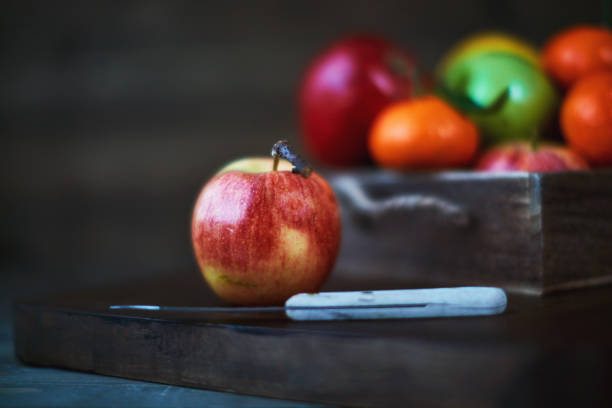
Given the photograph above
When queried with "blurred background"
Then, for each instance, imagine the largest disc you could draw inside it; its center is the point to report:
(114, 113)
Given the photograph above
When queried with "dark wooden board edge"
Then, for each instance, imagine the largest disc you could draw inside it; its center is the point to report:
(318, 367)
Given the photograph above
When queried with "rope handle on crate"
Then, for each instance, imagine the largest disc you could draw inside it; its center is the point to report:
(351, 192)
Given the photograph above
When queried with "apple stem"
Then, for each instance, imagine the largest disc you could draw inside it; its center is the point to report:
(284, 150)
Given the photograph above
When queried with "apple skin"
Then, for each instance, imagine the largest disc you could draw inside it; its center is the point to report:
(344, 89)
(261, 236)
(521, 156)
(508, 97)
(486, 42)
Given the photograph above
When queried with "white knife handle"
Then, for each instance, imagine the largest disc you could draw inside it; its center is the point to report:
(397, 304)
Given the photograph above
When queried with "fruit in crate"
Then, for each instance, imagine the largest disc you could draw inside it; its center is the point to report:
(522, 156)
(342, 91)
(423, 133)
(261, 235)
(508, 97)
(577, 52)
(586, 118)
(487, 42)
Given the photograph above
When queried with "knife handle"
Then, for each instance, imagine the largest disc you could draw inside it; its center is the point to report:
(397, 304)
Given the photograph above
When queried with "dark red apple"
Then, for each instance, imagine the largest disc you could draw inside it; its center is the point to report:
(262, 235)
(344, 89)
(522, 156)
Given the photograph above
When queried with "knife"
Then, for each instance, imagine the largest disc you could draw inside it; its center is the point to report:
(376, 304)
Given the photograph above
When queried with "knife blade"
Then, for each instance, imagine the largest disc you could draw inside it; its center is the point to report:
(377, 304)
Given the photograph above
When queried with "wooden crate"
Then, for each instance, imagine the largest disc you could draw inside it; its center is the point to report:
(526, 232)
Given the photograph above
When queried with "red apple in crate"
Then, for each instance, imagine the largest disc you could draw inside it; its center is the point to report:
(522, 156)
(262, 235)
(342, 92)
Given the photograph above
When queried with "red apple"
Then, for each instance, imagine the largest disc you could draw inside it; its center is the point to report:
(521, 156)
(261, 236)
(342, 92)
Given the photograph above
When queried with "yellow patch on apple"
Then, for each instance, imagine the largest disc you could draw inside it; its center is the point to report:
(294, 243)
(215, 276)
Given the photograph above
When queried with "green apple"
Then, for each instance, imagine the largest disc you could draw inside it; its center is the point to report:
(486, 42)
(507, 96)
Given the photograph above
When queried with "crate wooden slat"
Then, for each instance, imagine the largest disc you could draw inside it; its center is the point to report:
(527, 232)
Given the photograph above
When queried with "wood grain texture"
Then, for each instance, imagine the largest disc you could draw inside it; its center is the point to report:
(576, 229)
(527, 232)
(35, 387)
(556, 349)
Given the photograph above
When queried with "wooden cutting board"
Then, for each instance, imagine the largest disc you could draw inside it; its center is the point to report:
(556, 349)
